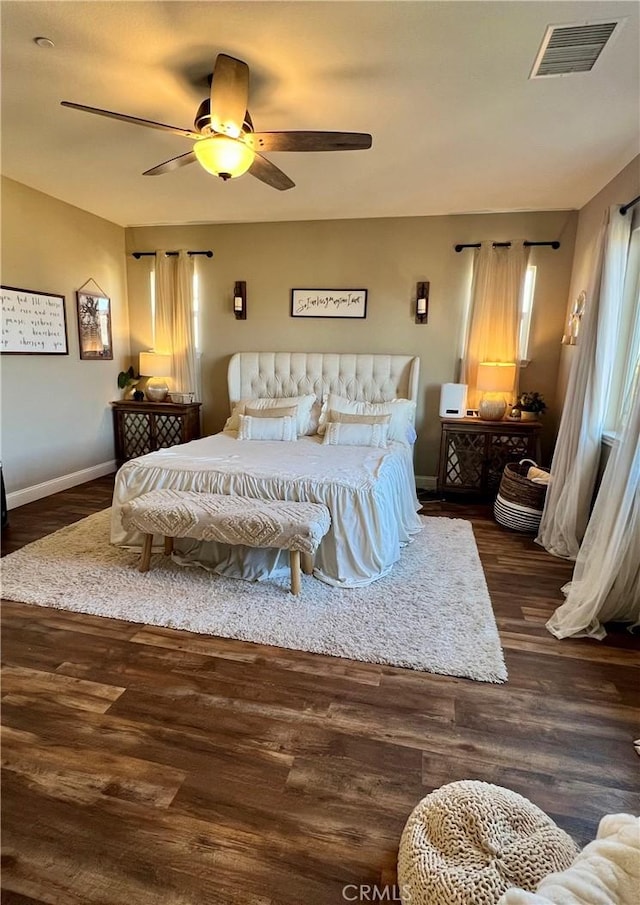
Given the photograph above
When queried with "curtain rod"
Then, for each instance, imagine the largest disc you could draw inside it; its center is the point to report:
(526, 243)
(629, 205)
(170, 254)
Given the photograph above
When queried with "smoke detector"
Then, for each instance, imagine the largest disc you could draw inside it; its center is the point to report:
(568, 49)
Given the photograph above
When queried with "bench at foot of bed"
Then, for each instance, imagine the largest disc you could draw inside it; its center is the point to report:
(292, 526)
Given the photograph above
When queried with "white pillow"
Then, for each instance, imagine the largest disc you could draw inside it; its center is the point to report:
(340, 433)
(314, 418)
(251, 428)
(606, 872)
(402, 413)
(348, 418)
(290, 411)
(304, 403)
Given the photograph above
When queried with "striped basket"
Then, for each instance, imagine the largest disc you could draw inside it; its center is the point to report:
(520, 502)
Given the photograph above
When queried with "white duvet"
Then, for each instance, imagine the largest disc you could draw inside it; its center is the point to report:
(370, 494)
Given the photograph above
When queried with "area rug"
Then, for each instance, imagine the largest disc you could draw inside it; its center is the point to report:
(432, 612)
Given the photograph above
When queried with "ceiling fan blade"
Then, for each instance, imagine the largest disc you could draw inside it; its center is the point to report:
(269, 173)
(309, 141)
(174, 164)
(149, 123)
(229, 95)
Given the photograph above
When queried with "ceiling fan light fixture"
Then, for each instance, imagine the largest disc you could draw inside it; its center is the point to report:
(225, 143)
(223, 156)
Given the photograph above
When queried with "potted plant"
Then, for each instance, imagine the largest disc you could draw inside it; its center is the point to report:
(127, 381)
(531, 405)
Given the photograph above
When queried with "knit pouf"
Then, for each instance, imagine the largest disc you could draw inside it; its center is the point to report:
(468, 842)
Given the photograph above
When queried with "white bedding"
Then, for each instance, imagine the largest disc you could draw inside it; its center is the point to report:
(370, 494)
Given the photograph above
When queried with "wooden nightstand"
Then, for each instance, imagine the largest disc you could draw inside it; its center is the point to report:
(142, 427)
(473, 453)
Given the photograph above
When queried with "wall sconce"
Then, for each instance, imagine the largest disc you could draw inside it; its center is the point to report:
(240, 300)
(422, 303)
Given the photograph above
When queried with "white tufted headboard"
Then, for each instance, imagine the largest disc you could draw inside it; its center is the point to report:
(373, 378)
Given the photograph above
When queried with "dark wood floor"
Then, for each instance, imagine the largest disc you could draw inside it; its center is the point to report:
(144, 765)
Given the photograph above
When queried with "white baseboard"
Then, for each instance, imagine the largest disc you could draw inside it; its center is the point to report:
(426, 482)
(55, 485)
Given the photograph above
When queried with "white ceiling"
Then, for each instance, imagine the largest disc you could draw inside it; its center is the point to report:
(442, 86)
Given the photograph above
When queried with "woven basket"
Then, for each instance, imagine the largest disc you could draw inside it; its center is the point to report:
(519, 502)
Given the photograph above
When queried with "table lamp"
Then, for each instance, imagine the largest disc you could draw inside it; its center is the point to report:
(495, 380)
(157, 367)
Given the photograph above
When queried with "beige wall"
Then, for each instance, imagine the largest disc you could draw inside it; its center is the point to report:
(385, 256)
(55, 414)
(624, 187)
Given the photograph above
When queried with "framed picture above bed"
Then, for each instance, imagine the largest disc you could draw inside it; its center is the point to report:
(329, 303)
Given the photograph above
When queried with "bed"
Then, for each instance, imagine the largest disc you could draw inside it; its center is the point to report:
(370, 492)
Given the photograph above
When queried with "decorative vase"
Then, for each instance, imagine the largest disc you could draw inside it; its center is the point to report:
(529, 416)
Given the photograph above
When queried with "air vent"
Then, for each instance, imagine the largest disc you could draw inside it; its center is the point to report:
(567, 49)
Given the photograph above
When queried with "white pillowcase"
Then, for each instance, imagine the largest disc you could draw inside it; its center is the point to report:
(251, 428)
(304, 404)
(338, 433)
(402, 413)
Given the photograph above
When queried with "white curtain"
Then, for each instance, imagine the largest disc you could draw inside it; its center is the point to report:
(606, 579)
(577, 453)
(630, 327)
(494, 316)
(174, 319)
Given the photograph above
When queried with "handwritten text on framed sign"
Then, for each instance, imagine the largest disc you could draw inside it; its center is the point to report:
(33, 323)
(329, 303)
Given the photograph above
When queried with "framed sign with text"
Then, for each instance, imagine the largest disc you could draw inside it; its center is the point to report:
(329, 303)
(33, 323)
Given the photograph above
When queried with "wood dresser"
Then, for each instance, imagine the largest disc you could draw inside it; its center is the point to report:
(142, 427)
(473, 452)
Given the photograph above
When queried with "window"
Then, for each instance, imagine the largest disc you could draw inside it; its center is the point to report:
(627, 365)
(196, 312)
(152, 301)
(478, 319)
(525, 314)
(195, 308)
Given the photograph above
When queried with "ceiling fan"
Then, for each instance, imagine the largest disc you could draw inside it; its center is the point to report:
(225, 143)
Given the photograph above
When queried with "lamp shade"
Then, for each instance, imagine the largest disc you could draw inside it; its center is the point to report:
(224, 156)
(496, 376)
(155, 364)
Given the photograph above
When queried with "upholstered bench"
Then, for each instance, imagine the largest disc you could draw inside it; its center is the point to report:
(296, 527)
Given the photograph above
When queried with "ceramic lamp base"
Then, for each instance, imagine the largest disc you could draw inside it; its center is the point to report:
(492, 409)
(156, 392)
